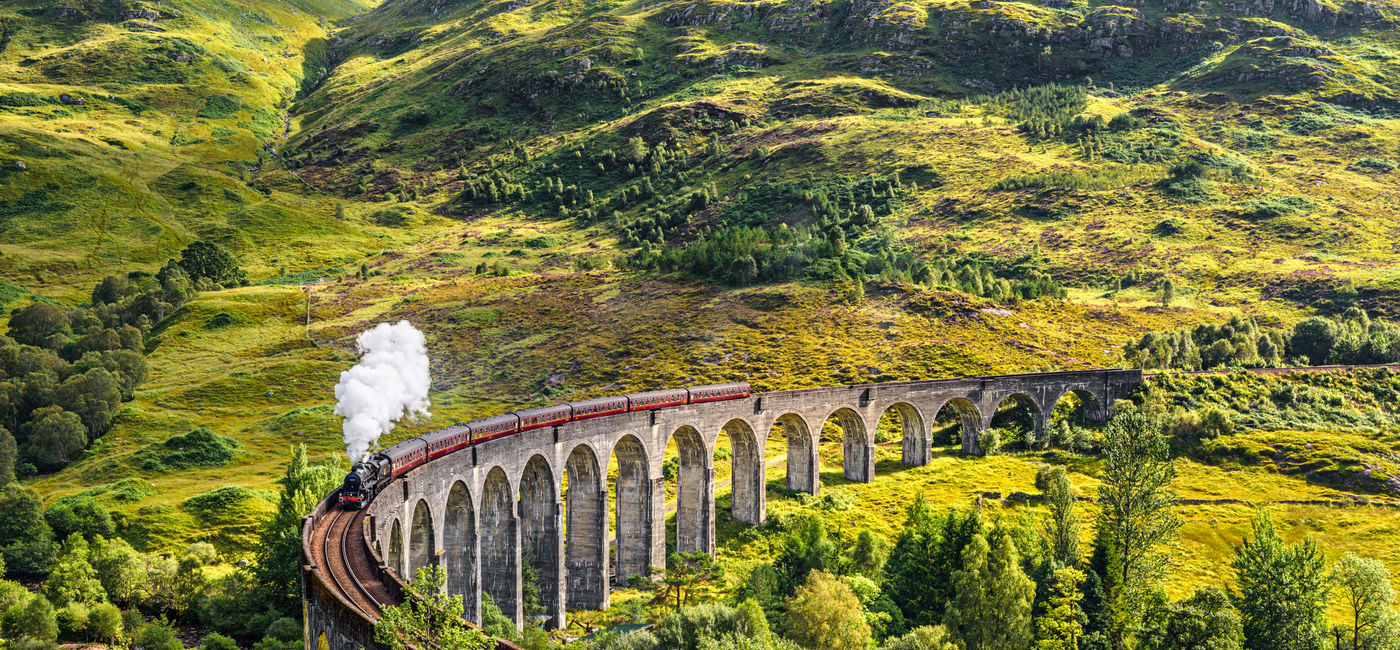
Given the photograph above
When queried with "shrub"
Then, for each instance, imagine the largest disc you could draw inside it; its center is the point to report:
(1190, 189)
(1381, 165)
(217, 500)
(389, 218)
(989, 441)
(1274, 207)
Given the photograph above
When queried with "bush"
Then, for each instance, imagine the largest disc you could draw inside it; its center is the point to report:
(156, 635)
(1381, 165)
(105, 623)
(200, 447)
(989, 441)
(1274, 207)
(204, 259)
(217, 500)
(390, 218)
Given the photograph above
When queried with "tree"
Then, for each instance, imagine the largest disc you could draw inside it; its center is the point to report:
(25, 538)
(1062, 527)
(869, 554)
(204, 259)
(156, 635)
(216, 641)
(1168, 292)
(105, 622)
(1059, 627)
(36, 323)
(928, 637)
(83, 516)
(634, 150)
(684, 573)
(8, 452)
(826, 614)
(278, 565)
(991, 607)
(1365, 587)
(691, 628)
(56, 437)
(37, 620)
(918, 575)
(73, 580)
(806, 549)
(1204, 621)
(1313, 338)
(120, 568)
(1136, 514)
(1282, 590)
(429, 618)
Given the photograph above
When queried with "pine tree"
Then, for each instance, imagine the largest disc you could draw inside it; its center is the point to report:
(278, 566)
(992, 606)
(1059, 628)
(1282, 590)
(1137, 514)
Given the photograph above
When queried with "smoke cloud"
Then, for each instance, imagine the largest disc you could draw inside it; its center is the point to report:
(389, 383)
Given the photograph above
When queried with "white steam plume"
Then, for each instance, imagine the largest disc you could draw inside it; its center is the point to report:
(390, 382)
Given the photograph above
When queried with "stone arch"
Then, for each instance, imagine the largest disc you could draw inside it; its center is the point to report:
(421, 551)
(395, 559)
(634, 510)
(500, 545)
(460, 550)
(586, 529)
(857, 447)
(801, 453)
(969, 420)
(915, 444)
(1091, 407)
(1004, 417)
(539, 531)
(694, 492)
(747, 473)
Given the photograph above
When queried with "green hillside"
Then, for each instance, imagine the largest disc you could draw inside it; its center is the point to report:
(579, 198)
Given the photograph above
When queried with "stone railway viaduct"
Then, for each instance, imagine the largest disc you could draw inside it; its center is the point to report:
(542, 496)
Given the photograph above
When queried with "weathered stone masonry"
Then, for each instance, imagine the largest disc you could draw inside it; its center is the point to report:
(482, 511)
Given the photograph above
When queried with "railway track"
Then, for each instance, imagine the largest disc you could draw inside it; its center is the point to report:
(342, 552)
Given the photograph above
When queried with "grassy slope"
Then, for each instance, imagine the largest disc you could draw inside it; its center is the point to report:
(802, 88)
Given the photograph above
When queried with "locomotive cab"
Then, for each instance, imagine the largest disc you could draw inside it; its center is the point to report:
(352, 492)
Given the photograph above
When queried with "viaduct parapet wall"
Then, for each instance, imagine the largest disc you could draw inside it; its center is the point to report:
(485, 510)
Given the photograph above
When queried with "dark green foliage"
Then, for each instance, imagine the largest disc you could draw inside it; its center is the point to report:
(201, 447)
(806, 549)
(217, 500)
(204, 259)
(156, 635)
(1043, 111)
(8, 454)
(1351, 338)
(222, 107)
(1281, 590)
(1207, 620)
(25, 537)
(1378, 165)
(79, 515)
(54, 438)
(277, 570)
(918, 575)
(1275, 207)
(389, 218)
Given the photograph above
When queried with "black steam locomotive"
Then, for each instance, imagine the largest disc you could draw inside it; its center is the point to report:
(372, 474)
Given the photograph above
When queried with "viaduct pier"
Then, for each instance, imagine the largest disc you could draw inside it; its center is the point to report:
(543, 496)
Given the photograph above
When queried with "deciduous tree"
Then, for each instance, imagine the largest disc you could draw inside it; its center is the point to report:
(428, 618)
(1281, 590)
(1365, 588)
(1204, 621)
(1137, 514)
(991, 608)
(826, 614)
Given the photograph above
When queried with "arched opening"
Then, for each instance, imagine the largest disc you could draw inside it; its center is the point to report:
(322, 643)
(957, 422)
(1072, 411)
(459, 549)
(801, 452)
(500, 551)
(1017, 423)
(857, 450)
(634, 510)
(746, 471)
(420, 540)
(903, 423)
(688, 471)
(586, 530)
(395, 559)
(539, 532)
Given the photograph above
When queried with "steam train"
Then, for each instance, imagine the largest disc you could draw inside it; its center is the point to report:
(369, 476)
